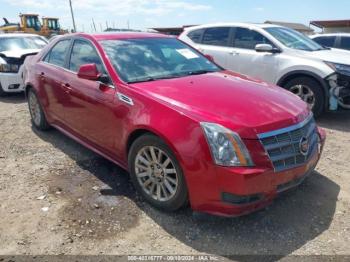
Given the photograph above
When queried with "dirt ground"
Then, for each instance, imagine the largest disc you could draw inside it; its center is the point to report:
(57, 197)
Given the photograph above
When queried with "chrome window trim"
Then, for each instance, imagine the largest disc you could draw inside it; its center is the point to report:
(286, 129)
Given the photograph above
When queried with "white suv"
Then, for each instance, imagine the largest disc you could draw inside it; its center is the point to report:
(14, 48)
(279, 55)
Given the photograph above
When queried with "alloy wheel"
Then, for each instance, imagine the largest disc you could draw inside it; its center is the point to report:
(156, 173)
(34, 108)
(305, 93)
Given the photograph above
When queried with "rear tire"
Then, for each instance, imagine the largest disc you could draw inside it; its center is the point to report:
(156, 173)
(310, 91)
(36, 112)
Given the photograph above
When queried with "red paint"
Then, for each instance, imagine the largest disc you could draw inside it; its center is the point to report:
(92, 114)
(89, 72)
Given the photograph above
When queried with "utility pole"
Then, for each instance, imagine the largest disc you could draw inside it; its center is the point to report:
(93, 22)
(71, 11)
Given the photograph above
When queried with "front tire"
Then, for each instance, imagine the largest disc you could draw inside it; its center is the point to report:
(2, 92)
(156, 173)
(36, 112)
(310, 91)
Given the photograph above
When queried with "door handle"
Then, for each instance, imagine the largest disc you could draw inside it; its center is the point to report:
(233, 53)
(66, 87)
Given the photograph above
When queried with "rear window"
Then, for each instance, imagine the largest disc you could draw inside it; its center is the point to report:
(218, 36)
(196, 35)
(327, 41)
(20, 43)
(345, 43)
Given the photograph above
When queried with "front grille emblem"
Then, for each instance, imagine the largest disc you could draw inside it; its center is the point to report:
(304, 146)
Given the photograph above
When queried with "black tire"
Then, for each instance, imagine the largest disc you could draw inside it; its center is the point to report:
(2, 92)
(180, 198)
(42, 124)
(317, 89)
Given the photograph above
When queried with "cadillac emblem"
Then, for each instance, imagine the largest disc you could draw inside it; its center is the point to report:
(304, 146)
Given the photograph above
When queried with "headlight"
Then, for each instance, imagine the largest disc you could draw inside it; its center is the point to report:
(226, 146)
(340, 68)
(9, 68)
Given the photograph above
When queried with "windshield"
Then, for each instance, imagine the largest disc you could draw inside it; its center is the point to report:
(293, 39)
(147, 59)
(19, 43)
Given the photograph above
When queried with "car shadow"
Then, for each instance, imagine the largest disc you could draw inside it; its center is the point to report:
(295, 218)
(13, 98)
(337, 121)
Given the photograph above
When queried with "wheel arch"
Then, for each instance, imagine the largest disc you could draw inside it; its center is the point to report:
(143, 130)
(26, 89)
(303, 73)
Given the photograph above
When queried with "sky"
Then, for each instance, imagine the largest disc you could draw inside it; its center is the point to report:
(143, 14)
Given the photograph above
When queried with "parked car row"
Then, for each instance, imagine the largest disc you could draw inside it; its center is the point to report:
(318, 75)
(187, 130)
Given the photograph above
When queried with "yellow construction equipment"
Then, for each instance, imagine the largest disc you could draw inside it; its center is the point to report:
(30, 23)
(51, 27)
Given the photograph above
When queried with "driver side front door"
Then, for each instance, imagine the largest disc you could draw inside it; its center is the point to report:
(90, 113)
(260, 65)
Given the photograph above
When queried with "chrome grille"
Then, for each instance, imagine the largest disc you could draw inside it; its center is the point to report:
(283, 145)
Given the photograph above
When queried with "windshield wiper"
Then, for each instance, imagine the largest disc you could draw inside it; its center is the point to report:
(151, 78)
(148, 79)
(200, 72)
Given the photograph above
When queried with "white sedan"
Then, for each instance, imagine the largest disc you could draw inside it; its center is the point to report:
(14, 48)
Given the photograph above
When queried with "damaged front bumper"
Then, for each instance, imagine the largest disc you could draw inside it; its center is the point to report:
(339, 91)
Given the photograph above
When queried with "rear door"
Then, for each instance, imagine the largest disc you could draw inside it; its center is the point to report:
(51, 74)
(215, 42)
(249, 62)
(90, 111)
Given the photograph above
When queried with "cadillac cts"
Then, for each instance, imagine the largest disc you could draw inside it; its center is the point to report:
(187, 130)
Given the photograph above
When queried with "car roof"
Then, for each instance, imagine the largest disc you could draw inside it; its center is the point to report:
(18, 35)
(249, 25)
(330, 34)
(121, 35)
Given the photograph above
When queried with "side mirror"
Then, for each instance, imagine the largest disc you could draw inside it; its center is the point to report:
(210, 58)
(266, 48)
(89, 72)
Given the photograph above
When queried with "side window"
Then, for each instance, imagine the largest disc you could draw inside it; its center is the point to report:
(328, 41)
(248, 39)
(345, 43)
(57, 54)
(84, 53)
(218, 36)
(196, 35)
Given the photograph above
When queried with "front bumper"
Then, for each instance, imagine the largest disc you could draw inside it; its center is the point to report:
(241, 191)
(12, 82)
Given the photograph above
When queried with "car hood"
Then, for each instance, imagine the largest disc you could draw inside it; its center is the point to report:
(19, 53)
(238, 102)
(330, 55)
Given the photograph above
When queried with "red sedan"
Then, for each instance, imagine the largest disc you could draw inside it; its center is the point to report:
(186, 130)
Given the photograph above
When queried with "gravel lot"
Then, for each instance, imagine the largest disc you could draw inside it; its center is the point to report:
(59, 198)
